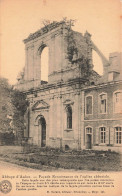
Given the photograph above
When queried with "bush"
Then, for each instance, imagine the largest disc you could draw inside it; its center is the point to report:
(7, 138)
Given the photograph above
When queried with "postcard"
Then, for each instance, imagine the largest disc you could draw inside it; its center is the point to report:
(60, 98)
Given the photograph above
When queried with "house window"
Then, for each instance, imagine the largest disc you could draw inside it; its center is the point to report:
(102, 135)
(103, 105)
(117, 102)
(118, 135)
(69, 117)
(89, 105)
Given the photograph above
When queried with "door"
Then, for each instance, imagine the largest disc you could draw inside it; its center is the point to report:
(42, 130)
(43, 136)
(89, 141)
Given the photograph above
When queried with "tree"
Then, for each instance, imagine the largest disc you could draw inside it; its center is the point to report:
(20, 104)
(6, 113)
(13, 105)
(6, 108)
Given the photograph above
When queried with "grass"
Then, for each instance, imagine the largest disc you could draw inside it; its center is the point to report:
(50, 158)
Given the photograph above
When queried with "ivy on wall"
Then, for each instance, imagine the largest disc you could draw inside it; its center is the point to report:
(73, 54)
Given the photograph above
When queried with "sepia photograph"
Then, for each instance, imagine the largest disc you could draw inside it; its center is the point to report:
(60, 97)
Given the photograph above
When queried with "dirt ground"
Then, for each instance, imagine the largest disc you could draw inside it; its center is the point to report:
(55, 159)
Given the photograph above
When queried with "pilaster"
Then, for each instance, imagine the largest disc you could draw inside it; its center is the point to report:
(82, 120)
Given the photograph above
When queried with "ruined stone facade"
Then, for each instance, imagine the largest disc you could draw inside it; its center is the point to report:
(77, 108)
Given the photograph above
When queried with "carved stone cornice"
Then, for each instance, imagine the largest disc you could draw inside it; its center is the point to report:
(43, 31)
(40, 105)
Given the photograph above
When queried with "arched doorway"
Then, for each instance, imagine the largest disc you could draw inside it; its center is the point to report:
(42, 132)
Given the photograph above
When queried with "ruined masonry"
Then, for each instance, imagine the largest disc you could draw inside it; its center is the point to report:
(76, 108)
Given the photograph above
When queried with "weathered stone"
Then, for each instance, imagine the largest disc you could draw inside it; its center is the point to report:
(71, 79)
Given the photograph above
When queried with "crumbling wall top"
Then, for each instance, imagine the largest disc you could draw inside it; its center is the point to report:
(44, 30)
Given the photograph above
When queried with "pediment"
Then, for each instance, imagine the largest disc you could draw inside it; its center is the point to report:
(39, 105)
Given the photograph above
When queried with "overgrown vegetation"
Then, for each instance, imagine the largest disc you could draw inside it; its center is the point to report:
(74, 54)
(6, 109)
(20, 104)
(50, 158)
(13, 105)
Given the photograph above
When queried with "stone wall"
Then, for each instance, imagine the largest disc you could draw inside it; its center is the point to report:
(53, 109)
(110, 119)
(70, 54)
(70, 79)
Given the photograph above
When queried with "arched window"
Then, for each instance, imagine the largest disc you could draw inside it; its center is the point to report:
(44, 65)
(69, 117)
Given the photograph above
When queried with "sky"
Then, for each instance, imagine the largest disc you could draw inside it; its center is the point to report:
(19, 18)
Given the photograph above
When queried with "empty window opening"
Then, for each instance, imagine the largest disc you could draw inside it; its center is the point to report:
(98, 66)
(44, 65)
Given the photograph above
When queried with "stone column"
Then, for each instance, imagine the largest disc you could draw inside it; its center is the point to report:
(51, 118)
(30, 62)
(82, 120)
(51, 59)
(47, 116)
(55, 117)
(58, 117)
(35, 135)
(39, 134)
(26, 64)
(59, 120)
(58, 52)
(37, 66)
(75, 118)
(79, 120)
(64, 49)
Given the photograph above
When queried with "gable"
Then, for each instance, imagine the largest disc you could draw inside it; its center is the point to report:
(40, 105)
